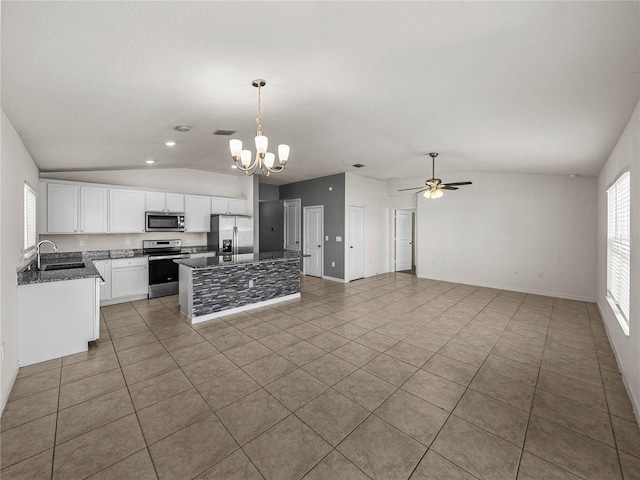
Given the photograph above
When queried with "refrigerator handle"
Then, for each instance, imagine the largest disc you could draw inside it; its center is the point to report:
(235, 240)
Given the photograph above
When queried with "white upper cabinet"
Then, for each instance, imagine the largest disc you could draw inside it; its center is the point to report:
(197, 213)
(155, 202)
(93, 209)
(237, 206)
(164, 202)
(174, 202)
(81, 208)
(228, 206)
(62, 208)
(126, 210)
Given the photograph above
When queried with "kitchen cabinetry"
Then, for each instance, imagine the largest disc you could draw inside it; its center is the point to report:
(126, 211)
(77, 207)
(228, 206)
(104, 268)
(165, 202)
(56, 319)
(129, 278)
(197, 213)
(62, 208)
(93, 209)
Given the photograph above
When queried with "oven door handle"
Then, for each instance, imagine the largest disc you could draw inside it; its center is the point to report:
(167, 257)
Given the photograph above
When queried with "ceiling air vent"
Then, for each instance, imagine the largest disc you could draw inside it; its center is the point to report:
(358, 165)
(224, 132)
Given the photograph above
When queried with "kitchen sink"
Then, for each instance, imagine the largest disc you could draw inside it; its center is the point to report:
(62, 266)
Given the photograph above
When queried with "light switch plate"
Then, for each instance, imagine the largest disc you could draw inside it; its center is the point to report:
(326, 238)
(338, 239)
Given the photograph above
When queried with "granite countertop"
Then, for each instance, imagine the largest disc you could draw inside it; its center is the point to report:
(229, 260)
(29, 274)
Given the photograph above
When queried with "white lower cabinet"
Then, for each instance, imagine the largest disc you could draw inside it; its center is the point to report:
(104, 268)
(56, 319)
(129, 278)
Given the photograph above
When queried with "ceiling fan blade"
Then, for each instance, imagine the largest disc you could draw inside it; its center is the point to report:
(414, 188)
(458, 183)
(447, 187)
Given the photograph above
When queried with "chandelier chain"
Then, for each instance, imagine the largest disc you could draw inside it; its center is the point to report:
(259, 117)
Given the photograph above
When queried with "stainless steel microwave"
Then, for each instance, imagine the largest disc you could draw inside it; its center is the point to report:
(164, 221)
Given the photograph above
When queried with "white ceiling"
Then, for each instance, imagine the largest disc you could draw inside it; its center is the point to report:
(522, 87)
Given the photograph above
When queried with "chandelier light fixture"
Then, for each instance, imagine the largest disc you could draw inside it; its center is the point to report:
(263, 160)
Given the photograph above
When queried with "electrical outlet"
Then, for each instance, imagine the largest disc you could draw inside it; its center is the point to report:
(81, 243)
(251, 283)
(333, 264)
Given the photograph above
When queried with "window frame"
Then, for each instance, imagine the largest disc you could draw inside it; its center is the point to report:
(30, 222)
(619, 247)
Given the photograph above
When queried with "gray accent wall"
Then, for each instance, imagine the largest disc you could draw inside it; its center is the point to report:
(271, 226)
(316, 192)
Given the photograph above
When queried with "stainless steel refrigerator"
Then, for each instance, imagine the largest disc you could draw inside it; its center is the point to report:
(231, 234)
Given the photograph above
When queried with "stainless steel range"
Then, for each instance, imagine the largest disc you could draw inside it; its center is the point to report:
(163, 272)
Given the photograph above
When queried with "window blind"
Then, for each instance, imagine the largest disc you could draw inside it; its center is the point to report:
(29, 220)
(619, 243)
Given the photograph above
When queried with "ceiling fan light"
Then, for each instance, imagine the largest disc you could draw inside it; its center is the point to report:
(433, 194)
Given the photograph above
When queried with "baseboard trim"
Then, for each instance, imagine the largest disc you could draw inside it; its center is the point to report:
(5, 395)
(115, 301)
(632, 399)
(566, 296)
(334, 279)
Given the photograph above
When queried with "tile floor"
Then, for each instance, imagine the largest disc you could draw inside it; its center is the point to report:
(390, 377)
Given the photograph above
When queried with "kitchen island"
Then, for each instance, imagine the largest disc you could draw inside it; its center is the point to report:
(223, 285)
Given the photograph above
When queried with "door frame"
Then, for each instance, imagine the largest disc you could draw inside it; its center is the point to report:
(304, 239)
(414, 234)
(298, 201)
(348, 273)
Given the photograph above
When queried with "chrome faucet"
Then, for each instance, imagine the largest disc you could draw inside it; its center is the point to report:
(55, 249)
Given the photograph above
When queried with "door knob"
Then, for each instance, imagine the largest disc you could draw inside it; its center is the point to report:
(351, 246)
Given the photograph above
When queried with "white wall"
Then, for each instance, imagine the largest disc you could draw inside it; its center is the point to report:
(16, 167)
(627, 348)
(372, 195)
(177, 179)
(506, 229)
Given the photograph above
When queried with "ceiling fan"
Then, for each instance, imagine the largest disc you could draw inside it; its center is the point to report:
(434, 186)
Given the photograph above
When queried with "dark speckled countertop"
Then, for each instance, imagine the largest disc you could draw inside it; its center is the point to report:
(227, 260)
(29, 274)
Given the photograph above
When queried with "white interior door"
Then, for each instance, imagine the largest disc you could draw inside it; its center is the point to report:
(292, 224)
(404, 241)
(356, 242)
(313, 232)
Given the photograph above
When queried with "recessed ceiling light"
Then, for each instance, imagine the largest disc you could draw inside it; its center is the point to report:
(182, 128)
(573, 175)
(150, 161)
(358, 165)
(170, 143)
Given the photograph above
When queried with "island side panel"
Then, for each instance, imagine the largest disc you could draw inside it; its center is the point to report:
(225, 288)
